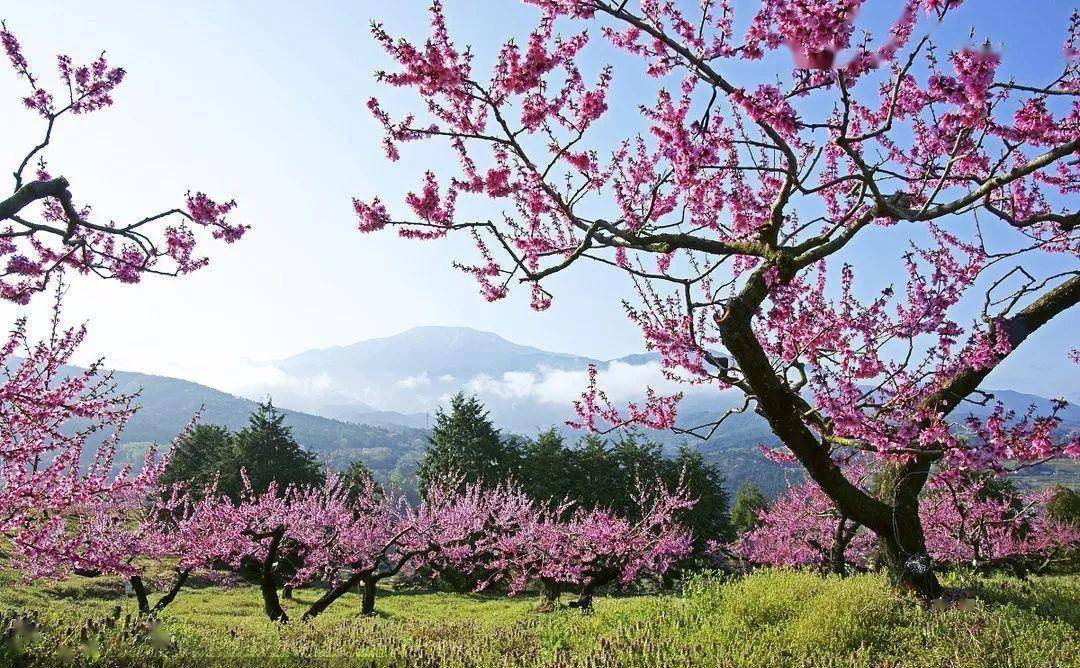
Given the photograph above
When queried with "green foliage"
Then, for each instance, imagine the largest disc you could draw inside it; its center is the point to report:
(265, 448)
(465, 444)
(708, 519)
(1064, 505)
(205, 452)
(546, 465)
(268, 452)
(770, 618)
(356, 479)
(597, 473)
(748, 501)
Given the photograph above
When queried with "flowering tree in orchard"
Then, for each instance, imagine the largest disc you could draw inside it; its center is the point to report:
(976, 521)
(734, 207)
(804, 528)
(969, 520)
(61, 513)
(43, 228)
(64, 514)
(350, 538)
(561, 546)
(188, 534)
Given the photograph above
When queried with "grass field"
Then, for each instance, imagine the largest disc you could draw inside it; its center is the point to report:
(767, 619)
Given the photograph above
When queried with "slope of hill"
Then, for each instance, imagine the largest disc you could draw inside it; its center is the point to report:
(167, 404)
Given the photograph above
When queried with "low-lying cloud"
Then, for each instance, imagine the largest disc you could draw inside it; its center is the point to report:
(544, 388)
(620, 380)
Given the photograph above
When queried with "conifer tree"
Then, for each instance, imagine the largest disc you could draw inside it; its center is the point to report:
(465, 444)
(704, 482)
(547, 472)
(268, 452)
(199, 457)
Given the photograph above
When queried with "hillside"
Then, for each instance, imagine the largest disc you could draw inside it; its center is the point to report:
(167, 404)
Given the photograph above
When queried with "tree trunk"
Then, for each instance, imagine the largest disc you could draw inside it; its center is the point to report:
(908, 564)
(584, 603)
(268, 580)
(367, 602)
(837, 560)
(286, 592)
(549, 596)
(585, 600)
(164, 601)
(902, 539)
(139, 588)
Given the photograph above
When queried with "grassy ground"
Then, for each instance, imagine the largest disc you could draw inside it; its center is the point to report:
(768, 619)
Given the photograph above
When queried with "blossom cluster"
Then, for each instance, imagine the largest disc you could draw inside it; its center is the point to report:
(43, 231)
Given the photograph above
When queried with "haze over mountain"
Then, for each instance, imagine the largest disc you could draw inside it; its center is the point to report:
(399, 379)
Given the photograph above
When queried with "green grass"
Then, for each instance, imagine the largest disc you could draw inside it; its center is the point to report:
(767, 619)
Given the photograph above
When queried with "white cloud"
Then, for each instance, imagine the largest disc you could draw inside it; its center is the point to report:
(414, 382)
(621, 381)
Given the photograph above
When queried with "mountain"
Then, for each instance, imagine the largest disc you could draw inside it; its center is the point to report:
(402, 379)
(460, 352)
(362, 414)
(412, 372)
(167, 404)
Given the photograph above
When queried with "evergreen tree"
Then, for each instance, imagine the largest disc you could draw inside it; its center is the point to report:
(594, 478)
(203, 454)
(356, 479)
(708, 519)
(465, 444)
(597, 473)
(267, 450)
(748, 501)
(546, 471)
(638, 458)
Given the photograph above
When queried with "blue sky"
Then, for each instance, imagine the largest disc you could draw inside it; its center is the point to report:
(264, 102)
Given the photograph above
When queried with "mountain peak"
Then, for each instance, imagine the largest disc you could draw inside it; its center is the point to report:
(446, 332)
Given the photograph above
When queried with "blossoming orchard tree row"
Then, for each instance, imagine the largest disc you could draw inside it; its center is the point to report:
(733, 206)
(63, 517)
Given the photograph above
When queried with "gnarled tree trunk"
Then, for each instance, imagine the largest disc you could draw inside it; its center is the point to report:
(592, 583)
(331, 595)
(268, 578)
(896, 522)
(845, 531)
(367, 600)
(902, 539)
(139, 588)
(178, 582)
